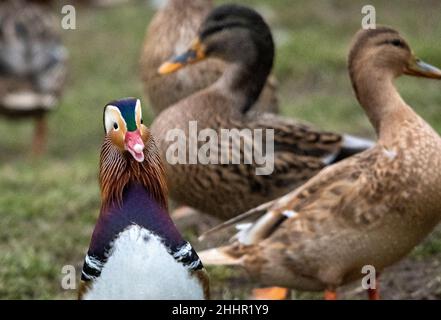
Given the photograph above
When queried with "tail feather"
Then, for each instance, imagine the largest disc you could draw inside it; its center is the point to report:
(351, 145)
(252, 215)
(218, 257)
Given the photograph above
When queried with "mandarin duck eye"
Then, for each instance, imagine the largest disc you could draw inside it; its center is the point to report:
(115, 126)
(142, 121)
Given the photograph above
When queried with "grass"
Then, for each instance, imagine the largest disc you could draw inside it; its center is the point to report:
(48, 207)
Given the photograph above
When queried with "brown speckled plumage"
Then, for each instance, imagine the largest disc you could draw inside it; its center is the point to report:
(370, 209)
(169, 33)
(226, 190)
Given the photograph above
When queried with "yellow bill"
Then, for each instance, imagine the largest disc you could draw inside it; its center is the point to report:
(194, 54)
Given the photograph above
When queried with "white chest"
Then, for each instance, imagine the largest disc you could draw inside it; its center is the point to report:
(140, 268)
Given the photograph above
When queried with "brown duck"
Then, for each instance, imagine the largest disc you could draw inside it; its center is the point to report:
(239, 36)
(370, 209)
(173, 27)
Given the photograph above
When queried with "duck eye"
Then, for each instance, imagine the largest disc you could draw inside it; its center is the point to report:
(397, 43)
(115, 126)
(142, 121)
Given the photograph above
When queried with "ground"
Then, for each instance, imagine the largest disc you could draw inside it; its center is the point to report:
(48, 207)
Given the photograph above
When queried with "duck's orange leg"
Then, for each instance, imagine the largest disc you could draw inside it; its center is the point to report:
(40, 136)
(272, 293)
(374, 294)
(330, 295)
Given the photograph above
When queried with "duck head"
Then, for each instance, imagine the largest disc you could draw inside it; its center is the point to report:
(129, 155)
(384, 49)
(240, 37)
(124, 127)
(233, 33)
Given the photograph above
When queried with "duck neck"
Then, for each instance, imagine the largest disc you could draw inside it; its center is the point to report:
(137, 207)
(119, 171)
(381, 101)
(245, 82)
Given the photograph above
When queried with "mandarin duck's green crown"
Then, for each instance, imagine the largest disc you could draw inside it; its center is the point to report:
(128, 108)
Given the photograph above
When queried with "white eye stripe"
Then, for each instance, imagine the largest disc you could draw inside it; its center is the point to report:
(138, 111)
(112, 115)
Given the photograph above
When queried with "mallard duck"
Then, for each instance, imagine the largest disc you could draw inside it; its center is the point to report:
(170, 31)
(370, 209)
(241, 37)
(32, 64)
(136, 252)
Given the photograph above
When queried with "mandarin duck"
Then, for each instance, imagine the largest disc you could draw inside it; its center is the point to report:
(136, 252)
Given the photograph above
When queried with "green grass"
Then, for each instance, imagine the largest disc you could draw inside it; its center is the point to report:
(48, 207)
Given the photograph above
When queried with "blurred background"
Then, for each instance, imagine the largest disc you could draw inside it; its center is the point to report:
(48, 206)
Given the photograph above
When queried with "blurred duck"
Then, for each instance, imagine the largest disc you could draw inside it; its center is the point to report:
(370, 209)
(101, 3)
(171, 30)
(136, 252)
(32, 64)
(239, 36)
